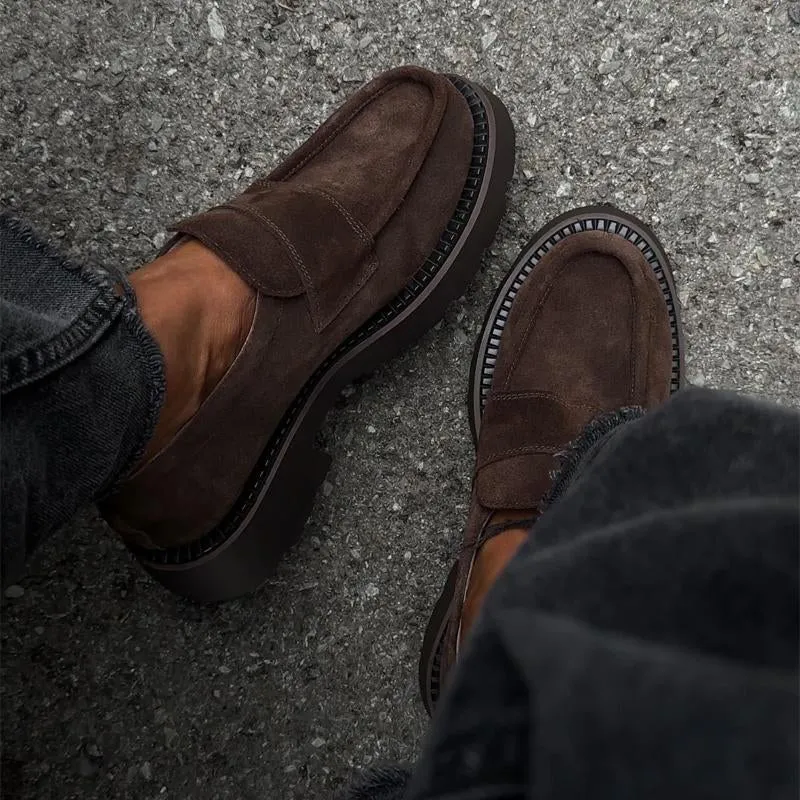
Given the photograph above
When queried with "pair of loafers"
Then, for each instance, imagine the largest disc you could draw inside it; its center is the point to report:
(355, 246)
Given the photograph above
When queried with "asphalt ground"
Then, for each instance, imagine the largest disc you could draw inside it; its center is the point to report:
(119, 117)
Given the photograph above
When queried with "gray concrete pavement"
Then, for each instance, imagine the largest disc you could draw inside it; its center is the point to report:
(118, 117)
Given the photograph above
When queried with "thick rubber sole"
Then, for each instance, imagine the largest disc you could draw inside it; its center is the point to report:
(487, 346)
(431, 678)
(269, 517)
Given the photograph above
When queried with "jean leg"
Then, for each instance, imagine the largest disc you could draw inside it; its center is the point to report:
(644, 642)
(82, 384)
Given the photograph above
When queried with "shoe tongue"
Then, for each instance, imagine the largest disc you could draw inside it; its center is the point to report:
(521, 434)
(287, 239)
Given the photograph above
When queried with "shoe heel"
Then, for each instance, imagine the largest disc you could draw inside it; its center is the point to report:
(248, 557)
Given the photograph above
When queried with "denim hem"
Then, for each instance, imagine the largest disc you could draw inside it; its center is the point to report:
(33, 363)
(152, 362)
(387, 782)
(114, 303)
(577, 454)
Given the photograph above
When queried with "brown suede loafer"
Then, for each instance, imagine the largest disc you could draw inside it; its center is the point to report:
(586, 322)
(355, 245)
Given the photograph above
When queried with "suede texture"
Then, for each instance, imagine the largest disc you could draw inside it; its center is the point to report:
(588, 333)
(327, 239)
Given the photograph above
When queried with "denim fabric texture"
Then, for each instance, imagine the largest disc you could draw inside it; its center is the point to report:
(644, 641)
(642, 644)
(82, 383)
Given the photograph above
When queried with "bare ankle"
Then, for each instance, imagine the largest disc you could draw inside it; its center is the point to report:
(490, 561)
(199, 311)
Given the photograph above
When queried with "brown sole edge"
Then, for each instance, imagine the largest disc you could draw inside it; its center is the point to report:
(430, 657)
(248, 556)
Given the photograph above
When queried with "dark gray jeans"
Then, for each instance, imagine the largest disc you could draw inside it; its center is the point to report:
(642, 644)
(82, 382)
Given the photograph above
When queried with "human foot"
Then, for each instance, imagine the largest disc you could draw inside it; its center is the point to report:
(354, 246)
(586, 322)
(199, 311)
(509, 533)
